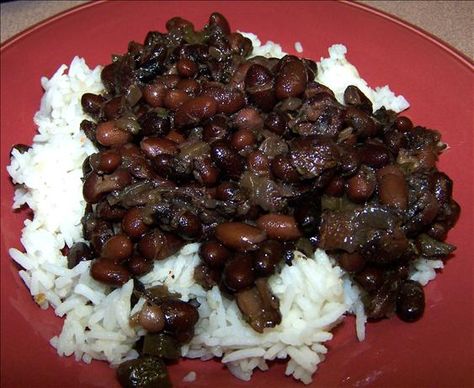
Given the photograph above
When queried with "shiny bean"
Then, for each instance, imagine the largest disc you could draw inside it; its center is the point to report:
(214, 254)
(239, 273)
(117, 248)
(291, 79)
(154, 146)
(267, 257)
(284, 170)
(186, 68)
(276, 122)
(227, 159)
(256, 77)
(139, 266)
(108, 76)
(189, 226)
(258, 163)
(370, 278)
(279, 226)
(242, 138)
(175, 98)
(92, 103)
(190, 86)
(154, 94)
(105, 162)
(362, 123)
(151, 318)
(151, 245)
(219, 20)
(179, 316)
(392, 186)
(374, 155)
(248, 118)
(79, 252)
(410, 301)
(354, 96)
(194, 111)
(239, 236)
(403, 123)
(206, 172)
(157, 245)
(108, 272)
(133, 223)
(361, 186)
(229, 100)
(109, 135)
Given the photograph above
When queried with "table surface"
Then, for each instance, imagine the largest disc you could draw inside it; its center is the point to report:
(451, 21)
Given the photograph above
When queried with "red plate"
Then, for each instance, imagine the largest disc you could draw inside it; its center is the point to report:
(438, 82)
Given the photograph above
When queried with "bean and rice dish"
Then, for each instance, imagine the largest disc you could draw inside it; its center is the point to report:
(227, 200)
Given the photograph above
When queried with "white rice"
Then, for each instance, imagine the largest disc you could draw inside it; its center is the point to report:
(314, 293)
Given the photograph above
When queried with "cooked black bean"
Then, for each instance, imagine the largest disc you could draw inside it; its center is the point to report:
(291, 79)
(194, 111)
(403, 123)
(392, 187)
(179, 316)
(151, 318)
(239, 273)
(227, 159)
(361, 186)
(133, 223)
(219, 20)
(108, 134)
(105, 162)
(154, 94)
(354, 96)
(214, 254)
(239, 236)
(92, 103)
(410, 301)
(370, 278)
(242, 138)
(267, 257)
(108, 272)
(276, 122)
(139, 266)
(117, 248)
(284, 170)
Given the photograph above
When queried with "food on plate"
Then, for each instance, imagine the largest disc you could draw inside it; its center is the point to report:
(235, 202)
